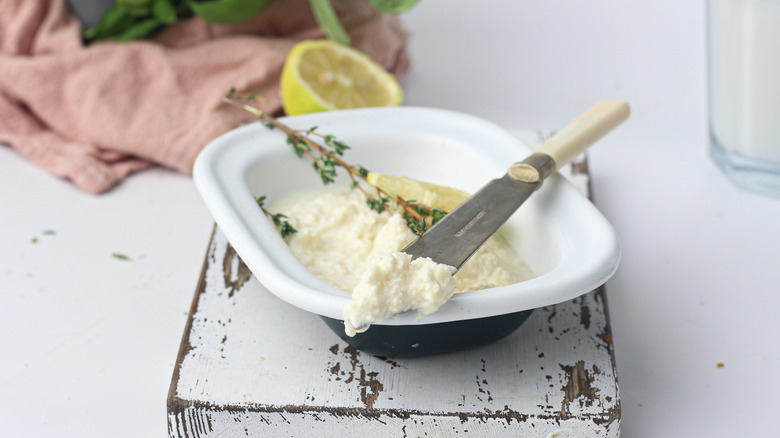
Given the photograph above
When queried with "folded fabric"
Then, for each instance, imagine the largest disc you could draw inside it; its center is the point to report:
(94, 114)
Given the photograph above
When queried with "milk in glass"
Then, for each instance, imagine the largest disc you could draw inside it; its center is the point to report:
(744, 90)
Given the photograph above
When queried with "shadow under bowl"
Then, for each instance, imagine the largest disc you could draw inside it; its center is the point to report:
(430, 339)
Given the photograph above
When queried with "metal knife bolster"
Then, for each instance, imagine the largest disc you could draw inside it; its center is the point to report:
(535, 168)
(455, 238)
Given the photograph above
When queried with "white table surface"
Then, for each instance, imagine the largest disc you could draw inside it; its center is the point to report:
(89, 340)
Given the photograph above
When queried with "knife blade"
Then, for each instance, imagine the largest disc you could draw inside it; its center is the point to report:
(456, 237)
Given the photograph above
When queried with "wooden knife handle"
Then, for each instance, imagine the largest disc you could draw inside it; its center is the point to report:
(585, 130)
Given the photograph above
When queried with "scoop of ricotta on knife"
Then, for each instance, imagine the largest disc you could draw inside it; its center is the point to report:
(394, 284)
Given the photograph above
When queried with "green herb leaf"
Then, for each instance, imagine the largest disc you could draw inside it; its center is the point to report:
(326, 166)
(422, 210)
(299, 147)
(338, 146)
(286, 229)
(164, 11)
(140, 30)
(113, 21)
(251, 96)
(226, 11)
(329, 22)
(416, 225)
(121, 257)
(378, 205)
(437, 214)
(279, 220)
(137, 8)
(393, 6)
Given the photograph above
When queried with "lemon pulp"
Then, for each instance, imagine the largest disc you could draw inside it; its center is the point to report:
(322, 75)
(429, 194)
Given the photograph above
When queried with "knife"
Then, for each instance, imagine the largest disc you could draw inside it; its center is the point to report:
(455, 238)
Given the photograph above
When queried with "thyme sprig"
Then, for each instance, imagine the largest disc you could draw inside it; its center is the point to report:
(325, 152)
(280, 220)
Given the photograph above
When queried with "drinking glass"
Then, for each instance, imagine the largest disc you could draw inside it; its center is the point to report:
(744, 91)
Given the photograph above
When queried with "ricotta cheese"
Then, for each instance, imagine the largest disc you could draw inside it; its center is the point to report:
(394, 284)
(353, 248)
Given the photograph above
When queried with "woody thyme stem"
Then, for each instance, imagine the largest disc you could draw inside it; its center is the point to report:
(298, 135)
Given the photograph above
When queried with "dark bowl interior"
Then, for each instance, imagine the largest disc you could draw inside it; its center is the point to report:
(428, 339)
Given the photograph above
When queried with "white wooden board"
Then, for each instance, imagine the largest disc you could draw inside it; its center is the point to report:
(252, 365)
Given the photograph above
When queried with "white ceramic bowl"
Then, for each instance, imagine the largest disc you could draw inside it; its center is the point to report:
(564, 239)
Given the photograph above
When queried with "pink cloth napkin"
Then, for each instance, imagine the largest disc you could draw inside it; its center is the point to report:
(94, 114)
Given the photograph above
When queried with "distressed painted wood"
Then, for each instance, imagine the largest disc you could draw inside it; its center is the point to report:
(252, 365)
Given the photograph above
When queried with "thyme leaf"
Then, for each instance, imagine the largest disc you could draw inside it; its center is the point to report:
(278, 219)
(121, 257)
(377, 205)
(437, 214)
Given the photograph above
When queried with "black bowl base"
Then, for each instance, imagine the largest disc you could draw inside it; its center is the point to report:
(429, 339)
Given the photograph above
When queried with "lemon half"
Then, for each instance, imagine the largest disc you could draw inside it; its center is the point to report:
(322, 75)
(429, 194)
